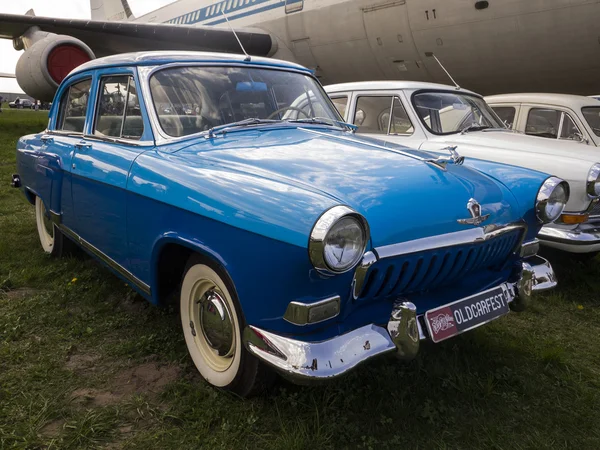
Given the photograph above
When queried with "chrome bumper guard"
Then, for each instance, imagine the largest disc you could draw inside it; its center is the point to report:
(305, 362)
(583, 238)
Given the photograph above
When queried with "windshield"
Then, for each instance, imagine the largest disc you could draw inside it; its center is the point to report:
(592, 116)
(193, 99)
(449, 112)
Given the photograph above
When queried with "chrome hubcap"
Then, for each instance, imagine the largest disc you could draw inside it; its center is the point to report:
(216, 324)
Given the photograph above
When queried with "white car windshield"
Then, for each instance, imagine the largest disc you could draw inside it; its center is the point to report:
(592, 116)
(193, 99)
(449, 112)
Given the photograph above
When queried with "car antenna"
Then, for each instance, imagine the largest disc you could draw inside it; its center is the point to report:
(429, 55)
(247, 58)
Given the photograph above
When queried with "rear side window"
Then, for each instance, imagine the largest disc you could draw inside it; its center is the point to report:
(340, 104)
(506, 114)
(543, 123)
(74, 107)
(118, 113)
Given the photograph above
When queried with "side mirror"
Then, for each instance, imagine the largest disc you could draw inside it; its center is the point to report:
(580, 138)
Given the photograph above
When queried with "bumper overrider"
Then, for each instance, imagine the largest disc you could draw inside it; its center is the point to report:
(585, 238)
(303, 362)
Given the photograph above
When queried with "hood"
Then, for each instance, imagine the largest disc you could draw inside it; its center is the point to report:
(402, 197)
(570, 161)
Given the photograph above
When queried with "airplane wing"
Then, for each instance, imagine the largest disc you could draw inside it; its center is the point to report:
(7, 75)
(107, 38)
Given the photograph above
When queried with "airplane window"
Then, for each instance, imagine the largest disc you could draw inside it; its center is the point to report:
(592, 116)
(118, 110)
(189, 100)
(74, 107)
(543, 123)
(506, 114)
(450, 112)
(340, 104)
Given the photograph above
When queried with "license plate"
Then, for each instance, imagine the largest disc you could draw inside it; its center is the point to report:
(467, 313)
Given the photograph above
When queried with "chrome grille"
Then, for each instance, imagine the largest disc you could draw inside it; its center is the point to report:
(595, 211)
(422, 271)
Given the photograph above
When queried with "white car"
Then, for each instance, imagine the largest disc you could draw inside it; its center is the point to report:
(433, 117)
(554, 116)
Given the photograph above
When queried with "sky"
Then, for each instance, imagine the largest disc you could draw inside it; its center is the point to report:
(72, 9)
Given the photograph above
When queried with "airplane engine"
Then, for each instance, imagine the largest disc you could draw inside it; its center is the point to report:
(47, 61)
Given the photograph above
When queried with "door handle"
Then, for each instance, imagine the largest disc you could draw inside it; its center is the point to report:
(82, 145)
(47, 139)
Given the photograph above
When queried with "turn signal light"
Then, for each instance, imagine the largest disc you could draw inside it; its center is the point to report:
(572, 219)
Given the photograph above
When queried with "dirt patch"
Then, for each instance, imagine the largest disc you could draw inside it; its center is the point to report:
(84, 362)
(52, 429)
(21, 293)
(149, 378)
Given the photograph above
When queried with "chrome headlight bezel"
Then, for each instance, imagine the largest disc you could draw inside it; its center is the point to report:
(318, 238)
(592, 186)
(544, 194)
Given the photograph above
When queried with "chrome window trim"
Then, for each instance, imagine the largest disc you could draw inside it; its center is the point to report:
(146, 72)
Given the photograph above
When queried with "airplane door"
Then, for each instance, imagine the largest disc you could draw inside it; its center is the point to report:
(391, 41)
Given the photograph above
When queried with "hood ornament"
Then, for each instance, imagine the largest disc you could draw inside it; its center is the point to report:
(442, 161)
(476, 218)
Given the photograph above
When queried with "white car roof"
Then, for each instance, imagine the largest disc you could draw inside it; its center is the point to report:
(572, 101)
(391, 86)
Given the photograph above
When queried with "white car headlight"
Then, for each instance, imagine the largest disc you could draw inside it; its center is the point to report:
(593, 181)
(338, 240)
(551, 199)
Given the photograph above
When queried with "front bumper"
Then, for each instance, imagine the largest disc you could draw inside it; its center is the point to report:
(304, 362)
(584, 238)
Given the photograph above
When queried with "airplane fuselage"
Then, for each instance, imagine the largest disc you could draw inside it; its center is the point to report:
(489, 47)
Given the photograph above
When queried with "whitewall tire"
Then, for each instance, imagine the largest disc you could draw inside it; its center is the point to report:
(45, 227)
(212, 325)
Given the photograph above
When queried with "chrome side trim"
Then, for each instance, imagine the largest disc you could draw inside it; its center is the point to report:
(145, 288)
(471, 236)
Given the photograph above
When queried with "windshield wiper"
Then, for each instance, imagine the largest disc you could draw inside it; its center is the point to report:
(241, 123)
(474, 127)
(325, 121)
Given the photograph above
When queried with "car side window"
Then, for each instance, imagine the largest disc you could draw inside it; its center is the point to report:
(569, 130)
(543, 122)
(118, 111)
(340, 104)
(74, 107)
(372, 115)
(506, 114)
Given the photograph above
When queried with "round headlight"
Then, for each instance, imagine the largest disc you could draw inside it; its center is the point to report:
(551, 199)
(338, 240)
(593, 181)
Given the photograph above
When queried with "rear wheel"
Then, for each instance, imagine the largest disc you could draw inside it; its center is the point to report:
(53, 241)
(212, 325)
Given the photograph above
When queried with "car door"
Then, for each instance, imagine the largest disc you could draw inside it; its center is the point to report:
(115, 135)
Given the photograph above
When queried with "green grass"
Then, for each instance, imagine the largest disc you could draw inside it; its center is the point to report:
(86, 363)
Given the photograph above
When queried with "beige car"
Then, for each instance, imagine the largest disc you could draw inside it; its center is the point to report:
(553, 116)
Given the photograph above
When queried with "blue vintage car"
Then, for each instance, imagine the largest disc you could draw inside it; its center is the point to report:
(294, 244)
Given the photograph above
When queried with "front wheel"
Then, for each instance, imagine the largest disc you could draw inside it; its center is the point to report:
(212, 322)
